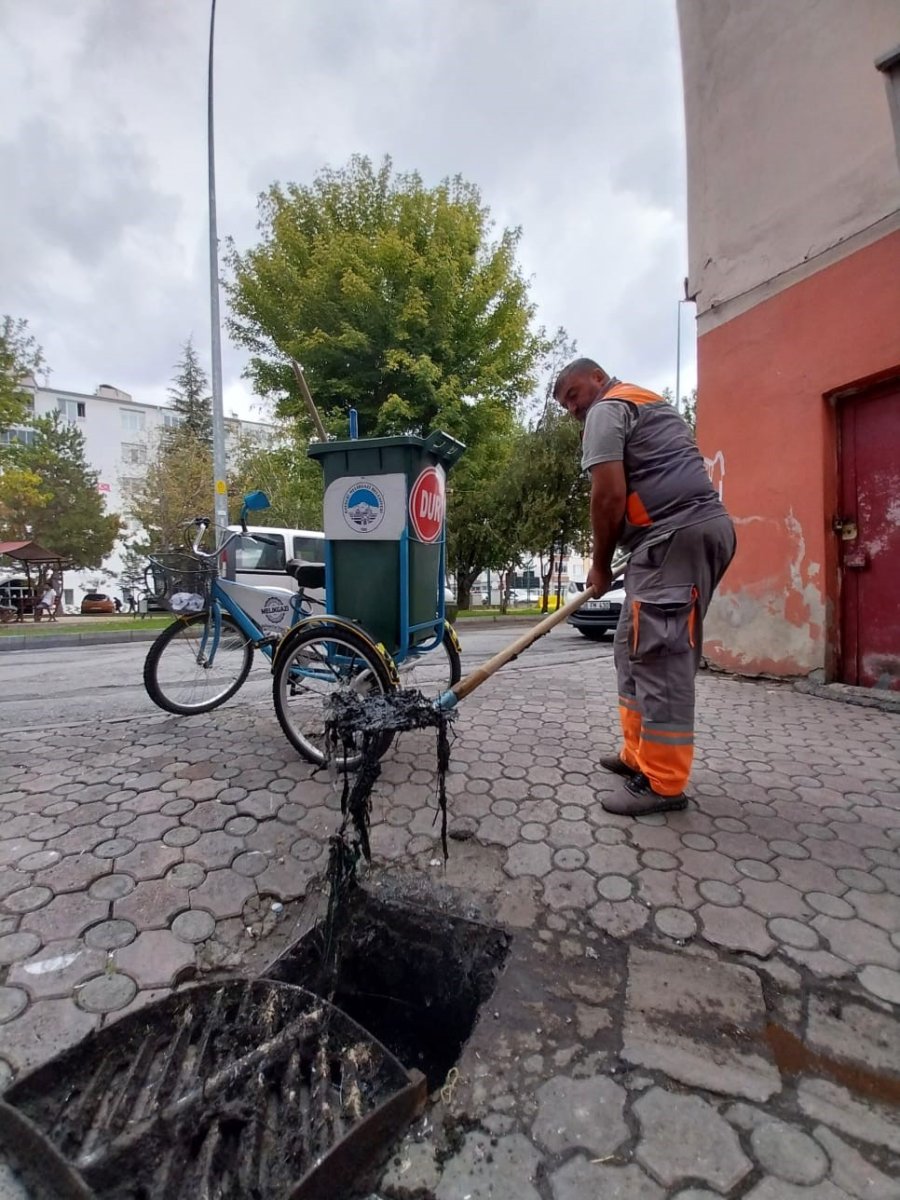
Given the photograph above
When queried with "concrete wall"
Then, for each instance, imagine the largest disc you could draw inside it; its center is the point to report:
(789, 135)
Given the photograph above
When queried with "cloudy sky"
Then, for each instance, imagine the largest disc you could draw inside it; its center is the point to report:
(566, 113)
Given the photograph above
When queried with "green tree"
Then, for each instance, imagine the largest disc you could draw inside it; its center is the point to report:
(67, 514)
(395, 297)
(134, 564)
(190, 396)
(21, 358)
(280, 468)
(688, 407)
(175, 486)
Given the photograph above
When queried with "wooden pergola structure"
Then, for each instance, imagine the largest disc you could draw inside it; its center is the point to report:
(47, 564)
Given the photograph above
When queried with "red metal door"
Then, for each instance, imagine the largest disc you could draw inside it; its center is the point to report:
(870, 539)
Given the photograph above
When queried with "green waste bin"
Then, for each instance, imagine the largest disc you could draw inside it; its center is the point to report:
(384, 516)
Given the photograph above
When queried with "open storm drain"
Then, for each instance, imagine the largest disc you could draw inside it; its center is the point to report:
(242, 1091)
(414, 977)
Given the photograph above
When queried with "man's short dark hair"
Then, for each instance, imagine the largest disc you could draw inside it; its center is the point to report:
(576, 367)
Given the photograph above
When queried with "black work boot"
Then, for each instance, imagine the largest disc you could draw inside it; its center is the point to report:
(612, 762)
(636, 798)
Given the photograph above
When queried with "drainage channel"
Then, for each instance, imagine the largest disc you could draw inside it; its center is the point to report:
(261, 1090)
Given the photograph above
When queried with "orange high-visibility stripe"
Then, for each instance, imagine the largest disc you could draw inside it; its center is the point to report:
(635, 624)
(635, 510)
(630, 720)
(667, 767)
(628, 391)
(629, 702)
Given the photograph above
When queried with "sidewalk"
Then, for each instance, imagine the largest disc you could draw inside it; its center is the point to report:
(704, 1004)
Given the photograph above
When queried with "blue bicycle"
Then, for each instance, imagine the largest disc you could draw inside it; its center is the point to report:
(203, 658)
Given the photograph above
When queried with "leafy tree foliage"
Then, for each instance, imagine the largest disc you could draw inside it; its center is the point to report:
(190, 396)
(392, 295)
(134, 564)
(20, 357)
(292, 481)
(175, 486)
(64, 510)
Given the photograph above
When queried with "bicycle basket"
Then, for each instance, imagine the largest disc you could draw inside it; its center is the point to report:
(181, 582)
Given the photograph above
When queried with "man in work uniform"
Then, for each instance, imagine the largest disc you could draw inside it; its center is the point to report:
(651, 496)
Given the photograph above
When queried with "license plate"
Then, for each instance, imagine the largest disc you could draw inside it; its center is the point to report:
(598, 605)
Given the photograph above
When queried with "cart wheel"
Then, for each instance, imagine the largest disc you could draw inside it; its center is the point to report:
(435, 671)
(313, 663)
(182, 679)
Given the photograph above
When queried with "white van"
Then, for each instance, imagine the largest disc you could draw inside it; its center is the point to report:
(259, 556)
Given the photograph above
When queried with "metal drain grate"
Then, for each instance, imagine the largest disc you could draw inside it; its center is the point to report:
(241, 1091)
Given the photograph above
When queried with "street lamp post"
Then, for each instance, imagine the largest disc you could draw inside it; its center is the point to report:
(686, 300)
(220, 490)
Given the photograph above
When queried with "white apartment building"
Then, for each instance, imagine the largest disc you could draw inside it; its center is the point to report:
(118, 433)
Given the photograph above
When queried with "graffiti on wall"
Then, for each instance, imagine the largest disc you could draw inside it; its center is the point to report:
(715, 469)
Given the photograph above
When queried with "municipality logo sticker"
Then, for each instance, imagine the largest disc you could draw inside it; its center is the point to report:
(363, 507)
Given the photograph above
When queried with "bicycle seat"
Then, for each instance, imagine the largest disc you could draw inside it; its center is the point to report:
(308, 575)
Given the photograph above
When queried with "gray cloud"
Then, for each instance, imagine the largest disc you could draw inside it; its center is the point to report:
(567, 115)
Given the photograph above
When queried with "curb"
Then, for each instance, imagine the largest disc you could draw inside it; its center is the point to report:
(55, 641)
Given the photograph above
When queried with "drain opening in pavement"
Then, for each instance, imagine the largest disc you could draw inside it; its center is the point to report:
(415, 978)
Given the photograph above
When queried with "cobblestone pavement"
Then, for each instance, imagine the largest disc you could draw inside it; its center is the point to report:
(697, 1005)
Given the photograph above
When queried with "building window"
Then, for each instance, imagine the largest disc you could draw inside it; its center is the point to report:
(171, 420)
(71, 409)
(889, 64)
(133, 454)
(132, 421)
(24, 437)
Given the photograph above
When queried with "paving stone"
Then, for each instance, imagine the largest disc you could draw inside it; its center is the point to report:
(675, 923)
(16, 946)
(223, 893)
(679, 1018)
(858, 942)
(188, 875)
(412, 1169)
(57, 969)
(882, 910)
(27, 899)
(111, 887)
(853, 1033)
(488, 1168)
(74, 872)
(110, 935)
(584, 1114)
(725, 894)
(854, 1173)
(659, 860)
(836, 1106)
(774, 899)
(106, 993)
(735, 929)
(788, 1153)
(44, 1030)
(195, 925)
(13, 1001)
(708, 864)
(667, 889)
(149, 860)
(831, 906)
(214, 850)
(114, 848)
(65, 916)
(251, 863)
(157, 958)
(683, 1137)
(181, 835)
(38, 860)
(619, 918)
(569, 889)
(614, 887)
(153, 903)
(881, 982)
(581, 1179)
(793, 933)
(777, 1189)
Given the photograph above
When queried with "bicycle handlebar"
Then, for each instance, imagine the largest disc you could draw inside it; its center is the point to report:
(202, 524)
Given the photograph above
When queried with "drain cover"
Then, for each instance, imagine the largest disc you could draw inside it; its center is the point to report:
(234, 1090)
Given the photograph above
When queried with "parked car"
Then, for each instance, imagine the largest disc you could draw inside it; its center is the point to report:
(597, 618)
(451, 608)
(97, 602)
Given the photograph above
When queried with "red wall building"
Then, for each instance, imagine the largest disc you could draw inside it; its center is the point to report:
(794, 228)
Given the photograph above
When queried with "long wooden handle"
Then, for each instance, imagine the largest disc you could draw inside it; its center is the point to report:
(305, 393)
(475, 678)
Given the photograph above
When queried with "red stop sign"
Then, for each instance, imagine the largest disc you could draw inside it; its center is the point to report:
(426, 505)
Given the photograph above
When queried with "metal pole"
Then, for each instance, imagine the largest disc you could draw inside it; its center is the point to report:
(678, 361)
(220, 490)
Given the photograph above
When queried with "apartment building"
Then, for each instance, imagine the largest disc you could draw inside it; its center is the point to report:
(119, 432)
(793, 130)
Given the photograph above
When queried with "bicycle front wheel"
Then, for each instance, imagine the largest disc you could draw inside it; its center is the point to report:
(315, 664)
(188, 671)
